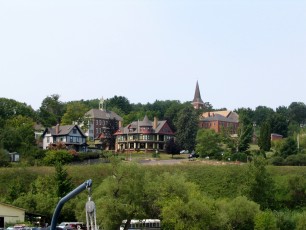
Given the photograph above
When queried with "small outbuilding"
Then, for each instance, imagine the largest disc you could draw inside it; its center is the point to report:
(10, 214)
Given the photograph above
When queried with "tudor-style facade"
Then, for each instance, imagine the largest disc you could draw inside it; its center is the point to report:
(144, 135)
(218, 120)
(70, 135)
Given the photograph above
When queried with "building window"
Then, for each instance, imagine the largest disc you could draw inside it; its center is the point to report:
(77, 139)
(71, 139)
(48, 139)
(74, 131)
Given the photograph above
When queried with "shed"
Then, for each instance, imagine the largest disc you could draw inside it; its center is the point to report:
(10, 214)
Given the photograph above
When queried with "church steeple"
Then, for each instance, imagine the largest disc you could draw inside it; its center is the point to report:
(102, 104)
(197, 100)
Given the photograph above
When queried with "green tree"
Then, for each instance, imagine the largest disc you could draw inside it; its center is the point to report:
(181, 204)
(51, 110)
(239, 213)
(245, 133)
(208, 143)
(62, 180)
(297, 191)
(279, 124)
(289, 147)
(297, 112)
(75, 114)
(4, 158)
(112, 126)
(264, 141)
(18, 134)
(187, 127)
(121, 196)
(262, 114)
(265, 221)
(245, 129)
(10, 108)
(301, 221)
(261, 186)
(172, 147)
(119, 102)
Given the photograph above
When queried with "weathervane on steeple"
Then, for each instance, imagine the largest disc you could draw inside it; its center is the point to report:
(102, 104)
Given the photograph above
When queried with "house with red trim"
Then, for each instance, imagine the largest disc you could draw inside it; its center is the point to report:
(144, 135)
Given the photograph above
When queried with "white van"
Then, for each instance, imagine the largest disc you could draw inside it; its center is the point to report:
(147, 224)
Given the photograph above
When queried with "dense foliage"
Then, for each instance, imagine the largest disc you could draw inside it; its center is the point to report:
(182, 196)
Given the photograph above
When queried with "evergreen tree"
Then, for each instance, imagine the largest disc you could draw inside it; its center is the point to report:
(62, 181)
(261, 186)
(264, 141)
(187, 126)
(172, 147)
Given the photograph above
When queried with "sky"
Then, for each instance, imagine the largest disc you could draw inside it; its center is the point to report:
(243, 53)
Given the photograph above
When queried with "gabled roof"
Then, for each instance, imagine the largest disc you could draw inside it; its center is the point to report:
(223, 115)
(134, 127)
(103, 114)
(63, 130)
(8, 205)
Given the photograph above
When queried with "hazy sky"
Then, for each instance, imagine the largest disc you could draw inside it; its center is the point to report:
(243, 53)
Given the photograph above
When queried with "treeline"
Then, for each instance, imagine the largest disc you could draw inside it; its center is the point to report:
(17, 122)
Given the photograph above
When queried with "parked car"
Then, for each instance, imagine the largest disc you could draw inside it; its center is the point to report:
(184, 151)
(193, 155)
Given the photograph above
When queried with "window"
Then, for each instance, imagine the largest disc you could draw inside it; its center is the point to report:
(74, 131)
(97, 122)
(77, 140)
(48, 139)
(71, 139)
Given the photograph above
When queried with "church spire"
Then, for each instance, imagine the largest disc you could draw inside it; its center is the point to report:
(197, 100)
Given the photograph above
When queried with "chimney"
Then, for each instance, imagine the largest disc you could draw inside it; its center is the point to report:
(120, 124)
(155, 123)
(57, 129)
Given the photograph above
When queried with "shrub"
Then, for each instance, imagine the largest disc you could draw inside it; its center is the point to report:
(240, 212)
(54, 156)
(296, 160)
(239, 157)
(277, 161)
(301, 221)
(265, 221)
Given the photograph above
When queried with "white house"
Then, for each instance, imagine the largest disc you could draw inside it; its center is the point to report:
(70, 135)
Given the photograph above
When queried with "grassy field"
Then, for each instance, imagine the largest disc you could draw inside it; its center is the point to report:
(216, 180)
